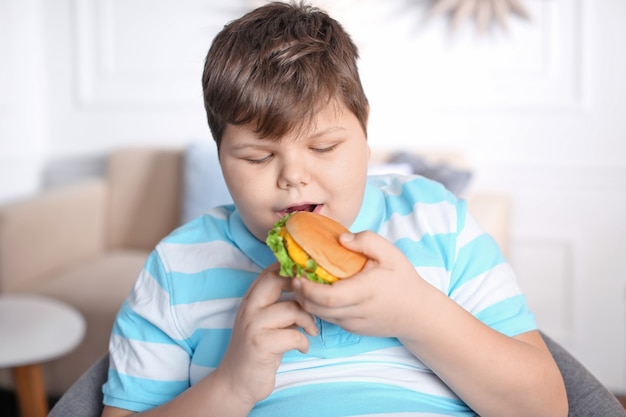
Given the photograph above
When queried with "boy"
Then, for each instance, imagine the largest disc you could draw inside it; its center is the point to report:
(434, 325)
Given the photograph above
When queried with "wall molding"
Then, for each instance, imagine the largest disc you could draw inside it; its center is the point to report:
(550, 267)
(144, 54)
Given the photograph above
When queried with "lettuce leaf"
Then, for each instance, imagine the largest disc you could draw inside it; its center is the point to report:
(277, 245)
(288, 268)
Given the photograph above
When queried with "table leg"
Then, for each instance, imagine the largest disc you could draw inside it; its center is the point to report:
(31, 394)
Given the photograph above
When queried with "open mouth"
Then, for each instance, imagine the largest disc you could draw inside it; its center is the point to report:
(304, 207)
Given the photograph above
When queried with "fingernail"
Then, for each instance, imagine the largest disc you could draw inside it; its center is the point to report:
(346, 237)
(296, 284)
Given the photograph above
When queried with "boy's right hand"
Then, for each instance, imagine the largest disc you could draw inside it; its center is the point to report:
(264, 329)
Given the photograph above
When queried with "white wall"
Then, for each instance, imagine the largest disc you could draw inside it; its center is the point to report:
(538, 110)
(23, 107)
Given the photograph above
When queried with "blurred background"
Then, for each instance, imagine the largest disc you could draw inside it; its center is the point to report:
(534, 101)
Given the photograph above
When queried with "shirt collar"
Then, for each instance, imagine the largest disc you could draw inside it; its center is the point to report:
(256, 250)
(373, 210)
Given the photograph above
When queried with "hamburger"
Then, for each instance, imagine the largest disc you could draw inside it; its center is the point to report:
(307, 244)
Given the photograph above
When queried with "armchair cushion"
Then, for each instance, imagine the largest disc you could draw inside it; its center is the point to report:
(39, 236)
(96, 287)
(144, 186)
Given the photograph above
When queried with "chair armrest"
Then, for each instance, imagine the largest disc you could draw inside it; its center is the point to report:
(51, 231)
(84, 397)
(586, 395)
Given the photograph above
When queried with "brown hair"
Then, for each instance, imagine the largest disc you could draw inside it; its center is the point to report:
(277, 67)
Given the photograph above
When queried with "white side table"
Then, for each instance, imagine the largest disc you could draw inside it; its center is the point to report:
(35, 329)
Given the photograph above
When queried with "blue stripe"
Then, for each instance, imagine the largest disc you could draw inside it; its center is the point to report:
(153, 392)
(461, 214)
(131, 325)
(510, 317)
(334, 342)
(430, 250)
(386, 195)
(211, 345)
(355, 398)
(475, 258)
(209, 285)
(419, 190)
(154, 267)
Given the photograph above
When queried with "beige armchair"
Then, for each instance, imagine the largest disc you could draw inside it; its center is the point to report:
(86, 243)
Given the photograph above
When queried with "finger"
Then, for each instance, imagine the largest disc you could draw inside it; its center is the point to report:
(366, 242)
(316, 298)
(284, 340)
(266, 289)
(288, 314)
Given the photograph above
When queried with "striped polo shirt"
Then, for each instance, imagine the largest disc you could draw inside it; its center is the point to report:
(174, 327)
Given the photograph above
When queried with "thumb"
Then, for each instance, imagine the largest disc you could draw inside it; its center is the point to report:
(366, 242)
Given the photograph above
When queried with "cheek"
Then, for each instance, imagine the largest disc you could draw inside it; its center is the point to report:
(236, 180)
(247, 185)
(350, 174)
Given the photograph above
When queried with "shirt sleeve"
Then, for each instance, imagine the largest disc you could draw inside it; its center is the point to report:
(483, 282)
(149, 358)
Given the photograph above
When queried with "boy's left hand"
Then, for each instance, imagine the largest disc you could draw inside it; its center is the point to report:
(388, 298)
(384, 299)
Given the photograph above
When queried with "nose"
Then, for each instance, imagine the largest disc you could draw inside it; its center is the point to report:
(294, 172)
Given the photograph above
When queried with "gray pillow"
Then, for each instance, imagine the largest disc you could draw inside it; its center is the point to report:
(204, 185)
(454, 179)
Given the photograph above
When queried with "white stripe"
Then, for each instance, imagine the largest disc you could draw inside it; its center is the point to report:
(197, 373)
(152, 302)
(410, 379)
(153, 361)
(393, 366)
(436, 276)
(492, 290)
(398, 355)
(211, 314)
(218, 213)
(154, 306)
(391, 184)
(470, 231)
(433, 219)
(196, 257)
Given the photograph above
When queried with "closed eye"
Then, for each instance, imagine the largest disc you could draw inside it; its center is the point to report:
(256, 161)
(324, 149)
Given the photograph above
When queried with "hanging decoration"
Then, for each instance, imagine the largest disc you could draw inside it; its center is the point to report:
(484, 12)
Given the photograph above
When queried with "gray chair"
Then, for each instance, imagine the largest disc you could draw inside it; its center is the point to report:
(587, 397)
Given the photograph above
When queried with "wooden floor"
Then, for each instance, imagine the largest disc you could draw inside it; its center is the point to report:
(622, 399)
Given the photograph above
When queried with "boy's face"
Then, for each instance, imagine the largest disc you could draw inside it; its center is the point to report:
(322, 169)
